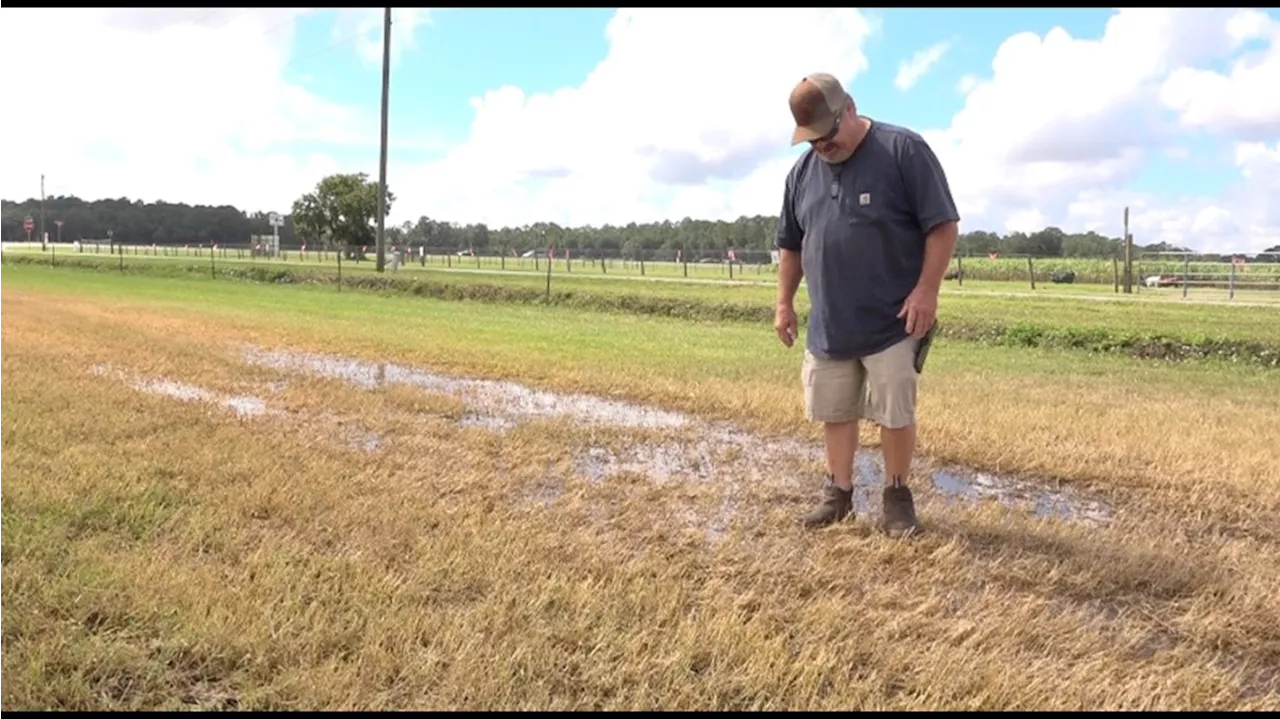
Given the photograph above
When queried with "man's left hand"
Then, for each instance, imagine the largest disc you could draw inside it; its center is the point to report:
(921, 311)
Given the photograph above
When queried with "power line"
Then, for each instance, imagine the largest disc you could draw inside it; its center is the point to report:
(208, 15)
(337, 44)
(353, 37)
(334, 45)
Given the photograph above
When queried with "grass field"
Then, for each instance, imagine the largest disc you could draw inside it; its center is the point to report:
(1147, 325)
(1207, 281)
(373, 543)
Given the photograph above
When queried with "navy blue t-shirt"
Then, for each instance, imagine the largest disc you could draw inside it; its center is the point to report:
(860, 227)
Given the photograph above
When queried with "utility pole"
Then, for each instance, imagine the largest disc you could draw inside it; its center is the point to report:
(382, 161)
(42, 233)
(1128, 255)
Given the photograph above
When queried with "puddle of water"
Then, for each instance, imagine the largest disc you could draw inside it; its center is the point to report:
(367, 442)
(966, 484)
(495, 424)
(1041, 501)
(716, 452)
(544, 493)
(759, 462)
(242, 405)
(491, 400)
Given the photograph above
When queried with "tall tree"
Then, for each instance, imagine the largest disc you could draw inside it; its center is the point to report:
(341, 211)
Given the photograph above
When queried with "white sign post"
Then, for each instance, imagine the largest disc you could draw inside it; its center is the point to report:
(275, 221)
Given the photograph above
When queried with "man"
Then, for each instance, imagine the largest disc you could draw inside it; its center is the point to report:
(868, 217)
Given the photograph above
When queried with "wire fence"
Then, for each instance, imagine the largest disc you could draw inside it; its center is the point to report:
(1162, 273)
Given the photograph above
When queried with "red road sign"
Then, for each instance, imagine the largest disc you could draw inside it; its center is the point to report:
(28, 224)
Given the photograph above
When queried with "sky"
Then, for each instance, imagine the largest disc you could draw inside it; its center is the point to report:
(508, 117)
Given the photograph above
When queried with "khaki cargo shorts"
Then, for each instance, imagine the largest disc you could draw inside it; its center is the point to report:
(880, 388)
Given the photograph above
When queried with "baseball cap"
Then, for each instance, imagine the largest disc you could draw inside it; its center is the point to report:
(816, 102)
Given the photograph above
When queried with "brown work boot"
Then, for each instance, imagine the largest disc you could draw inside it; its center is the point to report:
(899, 512)
(836, 504)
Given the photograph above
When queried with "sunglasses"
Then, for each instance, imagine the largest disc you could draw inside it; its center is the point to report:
(831, 134)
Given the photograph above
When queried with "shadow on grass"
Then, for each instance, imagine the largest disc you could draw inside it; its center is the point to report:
(1156, 588)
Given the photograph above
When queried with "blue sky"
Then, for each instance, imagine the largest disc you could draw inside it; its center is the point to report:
(1170, 112)
(460, 54)
(457, 55)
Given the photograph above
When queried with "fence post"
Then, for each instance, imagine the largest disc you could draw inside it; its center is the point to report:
(339, 254)
(959, 271)
(1031, 272)
(1231, 283)
(213, 270)
(642, 265)
(1128, 257)
(1115, 270)
(53, 254)
(549, 264)
(1186, 267)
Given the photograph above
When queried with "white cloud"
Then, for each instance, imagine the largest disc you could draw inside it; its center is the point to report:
(184, 105)
(910, 71)
(175, 104)
(366, 25)
(1051, 135)
(677, 107)
(1246, 218)
(1254, 203)
(1028, 221)
(1062, 122)
(680, 119)
(1245, 101)
(1259, 162)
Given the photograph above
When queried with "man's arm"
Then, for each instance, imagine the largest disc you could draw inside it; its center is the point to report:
(937, 216)
(789, 241)
(939, 245)
(790, 273)
(935, 211)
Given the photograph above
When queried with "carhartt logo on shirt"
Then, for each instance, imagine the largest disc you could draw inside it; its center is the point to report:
(864, 199)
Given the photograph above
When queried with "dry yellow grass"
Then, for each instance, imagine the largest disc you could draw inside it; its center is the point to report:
(163, 554)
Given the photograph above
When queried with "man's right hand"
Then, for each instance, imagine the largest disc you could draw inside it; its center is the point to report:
(784, 323)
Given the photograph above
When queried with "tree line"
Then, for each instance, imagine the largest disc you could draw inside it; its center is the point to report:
(341, 212)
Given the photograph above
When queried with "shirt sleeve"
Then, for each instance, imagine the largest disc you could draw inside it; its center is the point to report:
(790, 234)
(927, 186)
